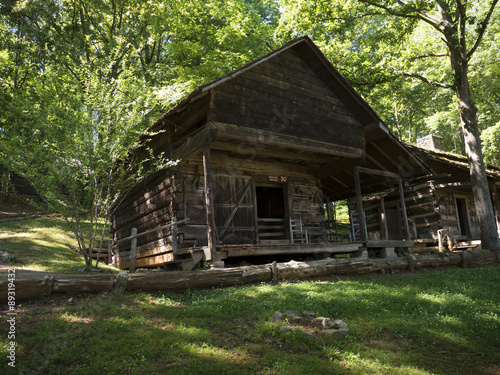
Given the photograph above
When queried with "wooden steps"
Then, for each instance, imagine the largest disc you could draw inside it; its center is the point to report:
(185, 260)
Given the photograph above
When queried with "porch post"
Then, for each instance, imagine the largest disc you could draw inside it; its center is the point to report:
(383, 220)
(403, 209)
(496, 205)
(359, 206)
(209, 204)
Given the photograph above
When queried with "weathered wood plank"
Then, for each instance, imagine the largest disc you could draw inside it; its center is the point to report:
(259, 250)
(285, 140)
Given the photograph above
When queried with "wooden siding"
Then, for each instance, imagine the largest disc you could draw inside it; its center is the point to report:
(447, 209)
(180, 192)
(149, 205)
(285, 96)
(428, 210)
(420, 207)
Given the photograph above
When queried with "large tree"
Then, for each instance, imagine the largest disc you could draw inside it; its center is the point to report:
(84, 78)
(454, 30)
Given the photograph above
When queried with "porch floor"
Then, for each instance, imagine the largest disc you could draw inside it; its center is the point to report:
(234, 251)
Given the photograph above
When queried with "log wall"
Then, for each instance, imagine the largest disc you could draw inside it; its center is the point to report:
(148, 205)
(285, 95)
(428, 210)
(447, 209)
(421, 211)
(180, 192)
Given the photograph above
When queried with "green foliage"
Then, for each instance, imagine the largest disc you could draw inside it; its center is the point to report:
(384, 49)
(491, 144)
(83, 80)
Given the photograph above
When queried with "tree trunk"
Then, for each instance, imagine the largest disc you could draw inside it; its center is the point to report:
(479, 181)
(467, 109)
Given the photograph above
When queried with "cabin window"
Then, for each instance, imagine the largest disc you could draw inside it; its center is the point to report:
(463, 217)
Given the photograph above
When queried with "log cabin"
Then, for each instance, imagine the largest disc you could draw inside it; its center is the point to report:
(440, 206)
(260, 153)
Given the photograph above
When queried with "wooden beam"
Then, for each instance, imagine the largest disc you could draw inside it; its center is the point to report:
(374, 126)
(385, 154)
(377, 172)
(255, 212)
(133, 248)
(359, 205)
(451, 185)
(231, 162)
(280, 249)
(383, 220)
(193, 142)
(209, 204)
(403, 209)
(267, 137)
(338, 181)
(374, 161)
(257, 150)
(389, 243)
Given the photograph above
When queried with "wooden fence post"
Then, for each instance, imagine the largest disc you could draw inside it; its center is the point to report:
(133, 249)
(209, 204)
(174, 236)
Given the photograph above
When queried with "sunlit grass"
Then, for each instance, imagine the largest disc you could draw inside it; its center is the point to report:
(439, 323)
(42, 244)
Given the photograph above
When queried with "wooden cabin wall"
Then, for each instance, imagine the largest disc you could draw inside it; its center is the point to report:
(447, 209)
(307, 201)
(284, 95)
(304, 197)
(227, 189)
(428, 210)
(420, 207)
(148, 205)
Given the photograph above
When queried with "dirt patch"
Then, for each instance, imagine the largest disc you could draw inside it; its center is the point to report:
(309, 324)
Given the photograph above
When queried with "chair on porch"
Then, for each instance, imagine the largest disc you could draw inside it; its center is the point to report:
(297, 231)
(354, 227)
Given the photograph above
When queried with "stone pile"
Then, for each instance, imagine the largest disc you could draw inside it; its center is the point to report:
(5, 257)
(307, 323)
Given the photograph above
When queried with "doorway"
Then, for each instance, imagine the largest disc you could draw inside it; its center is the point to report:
(271, 213)
(463, 217)
(270, 202)
(393, 219)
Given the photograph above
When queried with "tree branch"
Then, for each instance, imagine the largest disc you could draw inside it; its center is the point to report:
(444, 54)
(419, 13)
(484, 26)
(428, 81)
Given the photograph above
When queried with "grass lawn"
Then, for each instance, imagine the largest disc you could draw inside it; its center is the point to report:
(42, 244)
(436, 323)
(445, 322)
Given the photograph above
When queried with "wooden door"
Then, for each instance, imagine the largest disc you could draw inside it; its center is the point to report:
(234, 208)
(393, 219)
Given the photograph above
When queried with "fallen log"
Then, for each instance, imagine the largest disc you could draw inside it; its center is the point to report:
(83, 283)
(179, 281)
(199, 279)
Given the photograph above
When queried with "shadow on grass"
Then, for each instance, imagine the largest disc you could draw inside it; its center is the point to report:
(444, 323)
